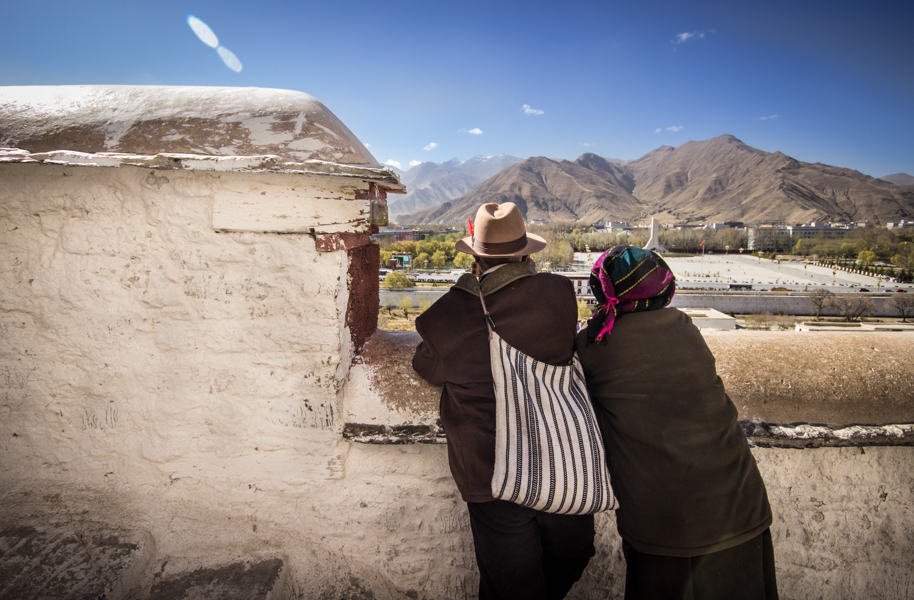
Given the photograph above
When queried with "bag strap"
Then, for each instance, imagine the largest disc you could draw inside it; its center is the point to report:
(489, 323)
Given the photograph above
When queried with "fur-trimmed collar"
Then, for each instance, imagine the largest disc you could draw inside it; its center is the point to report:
(496, 280)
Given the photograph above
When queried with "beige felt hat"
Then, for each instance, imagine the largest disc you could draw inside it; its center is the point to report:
(499, 231)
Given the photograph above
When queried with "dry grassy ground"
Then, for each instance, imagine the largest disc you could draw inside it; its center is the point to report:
(396, 322)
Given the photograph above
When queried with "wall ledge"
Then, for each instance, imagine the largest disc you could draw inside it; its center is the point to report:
(804, 435)
(762, 435)
(394, 434)
(383, 176)
(791, 390)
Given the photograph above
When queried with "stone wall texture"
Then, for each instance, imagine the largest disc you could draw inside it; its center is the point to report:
(161, 377)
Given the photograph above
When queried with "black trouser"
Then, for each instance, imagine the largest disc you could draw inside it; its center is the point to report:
(744, 572)
(524, 554)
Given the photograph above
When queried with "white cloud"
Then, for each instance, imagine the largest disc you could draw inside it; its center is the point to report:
(531, 111)
(368, 145)
(675, 128)
(658, 130)
(474, 131)
(769, 117)
(394, 163)
(415, 163)
(588, 145)
(431, 146)
(681, 38)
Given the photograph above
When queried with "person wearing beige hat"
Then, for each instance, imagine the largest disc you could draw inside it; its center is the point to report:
(521, 553)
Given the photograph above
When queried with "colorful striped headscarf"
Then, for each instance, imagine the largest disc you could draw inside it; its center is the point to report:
(627, 279)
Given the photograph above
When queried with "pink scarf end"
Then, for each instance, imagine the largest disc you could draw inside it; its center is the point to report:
(610, 308)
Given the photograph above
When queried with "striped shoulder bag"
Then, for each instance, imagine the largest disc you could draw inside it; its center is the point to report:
(549, 454)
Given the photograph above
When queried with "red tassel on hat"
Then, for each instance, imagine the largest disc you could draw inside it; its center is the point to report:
(469, 225)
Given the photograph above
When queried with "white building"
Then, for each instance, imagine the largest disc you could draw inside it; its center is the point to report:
(766, 237)
(903, 224)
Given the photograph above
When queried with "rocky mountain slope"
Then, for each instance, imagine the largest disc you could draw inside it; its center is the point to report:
(721, 179)
(899, 178)
(551, 190)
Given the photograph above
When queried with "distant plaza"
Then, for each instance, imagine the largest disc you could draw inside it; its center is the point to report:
(720, 271)
(732, 283)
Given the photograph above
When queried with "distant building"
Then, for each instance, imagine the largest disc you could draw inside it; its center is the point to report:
(617, 225)
(581, 282)
(765, 237)
(401, 261)
(395, 235)
(816, 229)
(725, 225)
(900, 225)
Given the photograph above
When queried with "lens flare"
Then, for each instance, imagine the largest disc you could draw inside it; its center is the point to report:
(209, 38)
(231, 61)
(203, 31)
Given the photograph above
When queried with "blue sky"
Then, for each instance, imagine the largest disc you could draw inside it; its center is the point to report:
(829, 82)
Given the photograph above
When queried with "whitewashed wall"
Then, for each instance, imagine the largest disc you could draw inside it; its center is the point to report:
(156, 374)
(136, 333)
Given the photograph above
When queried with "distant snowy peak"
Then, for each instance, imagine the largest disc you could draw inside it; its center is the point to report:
(430, 184)
(452, 164)
(486, 166)
(476, 165)
(481, 167)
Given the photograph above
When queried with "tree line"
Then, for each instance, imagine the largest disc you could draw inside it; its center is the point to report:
(439, 251)
(436, 251)
(564, 239)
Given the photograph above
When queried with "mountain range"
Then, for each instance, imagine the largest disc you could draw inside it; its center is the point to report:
(429, 184)
(721, 179)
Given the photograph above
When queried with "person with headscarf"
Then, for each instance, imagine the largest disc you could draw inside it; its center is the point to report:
(521, 553)
(694, 515)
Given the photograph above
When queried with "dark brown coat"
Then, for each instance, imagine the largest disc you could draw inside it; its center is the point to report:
(535, 313)
(680, 464)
